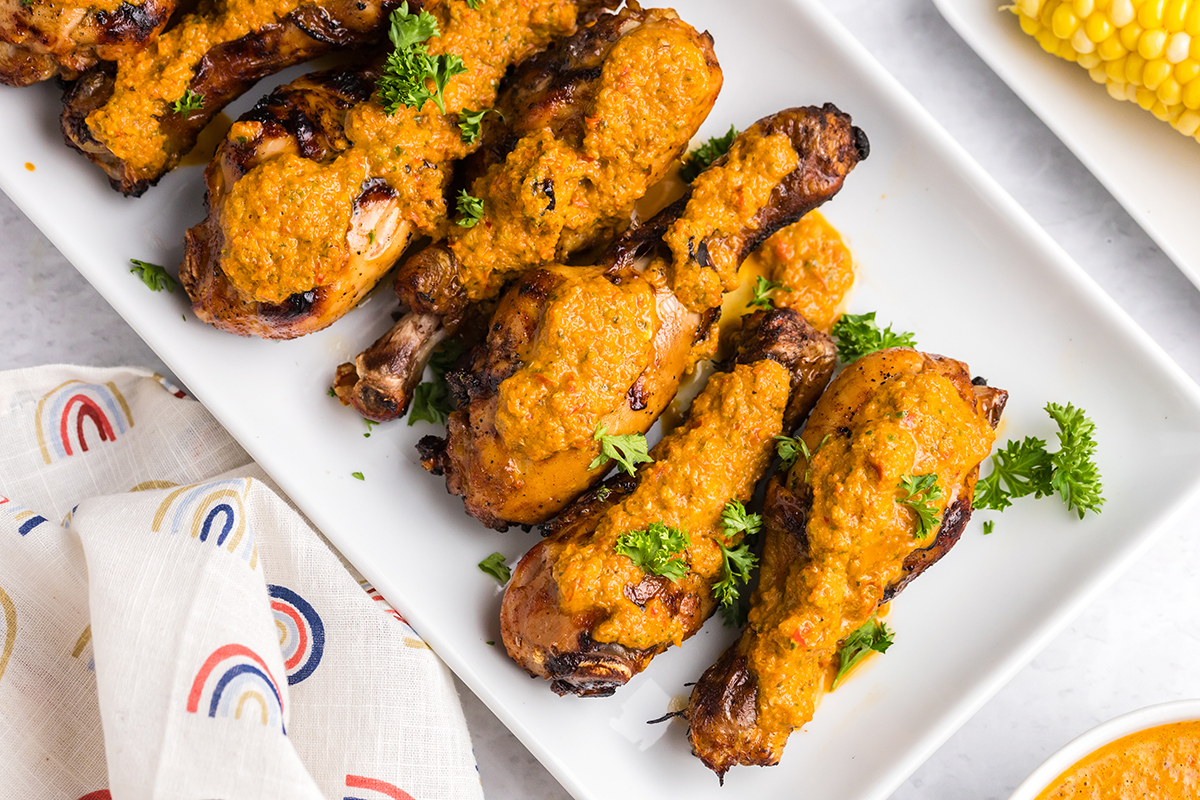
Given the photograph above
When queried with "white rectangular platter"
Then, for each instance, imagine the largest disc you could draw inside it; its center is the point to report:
(942, 252)
(1149, 168)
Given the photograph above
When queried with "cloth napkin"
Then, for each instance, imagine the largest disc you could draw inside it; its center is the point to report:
(171, 627)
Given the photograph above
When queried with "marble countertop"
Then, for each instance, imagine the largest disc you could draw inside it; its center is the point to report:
(1137, 644)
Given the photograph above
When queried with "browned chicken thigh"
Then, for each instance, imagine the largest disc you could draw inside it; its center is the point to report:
(573, 349)
(42, 39)
(586, 617)
(583, 130)
(843, 537)
(133, 117)
(316, 191)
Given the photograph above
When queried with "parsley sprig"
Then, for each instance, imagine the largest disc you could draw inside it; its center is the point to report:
(431, 399)
(737, 561)
(410, 67)
(703, 156)
(189, 102)
(922, 495)
(658, 550)
(470, 123)
(789, 449)
(763, 290)
(153, 275)
(858, 334)
(471, 209)
(873, 635)
(1027, 468)
(494, 565)
(628, 450)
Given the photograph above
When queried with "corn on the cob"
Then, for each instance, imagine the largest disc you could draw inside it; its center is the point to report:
(1144, 51)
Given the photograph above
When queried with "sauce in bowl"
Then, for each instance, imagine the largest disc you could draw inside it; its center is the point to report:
(1162, 762)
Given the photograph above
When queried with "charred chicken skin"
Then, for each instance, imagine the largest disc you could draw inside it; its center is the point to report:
(42, 39)
(316, 191)
(584, 616)
(570, 349)
(583, 130)
(840, 541)
(123, 116)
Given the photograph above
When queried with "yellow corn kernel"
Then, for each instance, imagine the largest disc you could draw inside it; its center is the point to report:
(1169, 91)
(1177, 47)
(1191, 22)
(1064, 22)
(1155, 73)
(1090, 61)
(1029, 8)
(1152, 44)
(1115, 70)
(1066, 52)
(1049, 42)
(1186, 71)
(1191, 95)
(1130, 34)
(1194, 48)
(1116, 90)
(1030, 25)
(1150, 15)
(1098, 27)
(1146, 98)
(1097, 75)
(1188, 123)
(1122, 13)
(1047, 12)
(1131, 92)
(1135, 65)
(1082, 8)
(1164, 112)
(1082, 44)
(1111, 48)
(1174, 16)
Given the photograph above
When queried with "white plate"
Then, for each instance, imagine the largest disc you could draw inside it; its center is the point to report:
(1102, 734)
(943, 252)
(1150, 169)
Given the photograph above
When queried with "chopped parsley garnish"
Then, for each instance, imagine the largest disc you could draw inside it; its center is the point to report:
(471, 209)
(370, 424)
(628, 450)
(602, 493)
(737, 562)
(763, 289)
(703, 156)
(989, 526)
(857, 335)
(153, 275)
(494, 565)
(332, 393)
(789, 449)
(191, 101)
(470, 123)
(431, 403)
(410, 67)
(1027, 468)
(873, 635)
(658, 550)
(357, 475)
(922, 493)
(431, 399)
(474, 4)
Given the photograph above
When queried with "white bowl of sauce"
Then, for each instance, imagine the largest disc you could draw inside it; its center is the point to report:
(1153, 752)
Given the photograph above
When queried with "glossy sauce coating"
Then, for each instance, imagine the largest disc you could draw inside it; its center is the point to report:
(285, 221)
(812, 263)
(1161, 763)
(717, 456)
(910, 419)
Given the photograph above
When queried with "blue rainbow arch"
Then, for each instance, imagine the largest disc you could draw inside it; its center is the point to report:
(211, 512)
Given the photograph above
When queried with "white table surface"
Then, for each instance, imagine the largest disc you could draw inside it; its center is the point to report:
(1138, 644)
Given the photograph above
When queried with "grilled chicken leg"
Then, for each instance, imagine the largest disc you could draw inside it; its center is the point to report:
(315, 192)
(585, 617)
(570, 349)
(583, 130)
(41, 39)
(839, 543)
